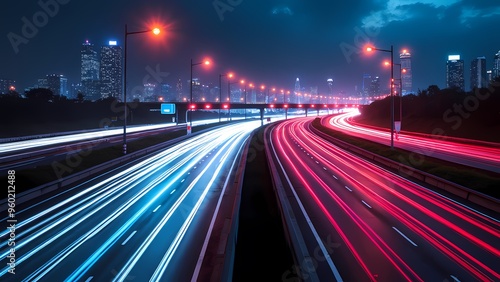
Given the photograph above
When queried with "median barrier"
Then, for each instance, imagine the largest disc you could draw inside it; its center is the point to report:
(293, 233)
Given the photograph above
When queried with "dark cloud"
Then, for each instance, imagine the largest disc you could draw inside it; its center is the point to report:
(270, 42)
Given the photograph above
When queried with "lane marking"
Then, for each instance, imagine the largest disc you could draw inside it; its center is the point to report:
(404, 236)
(156, 208)
(125, 242)
(172, 192)
(366, 204)
(324, 168)
(335, 177)
(90, 278)
(454, 278)
(183, 180)
(317, 162)
(350, 190)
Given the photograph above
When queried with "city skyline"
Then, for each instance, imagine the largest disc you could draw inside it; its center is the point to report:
(269, 43)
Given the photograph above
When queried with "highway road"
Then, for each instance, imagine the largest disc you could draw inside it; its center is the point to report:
(361, 222)
(483, 155)
(149, 220)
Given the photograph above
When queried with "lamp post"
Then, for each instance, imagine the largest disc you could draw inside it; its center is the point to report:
(155, 31)
(401, 71)
(206, 62)
(400, 94)
(220, 92)
(369, 49)
(245, 95)
(229, 75)
(229, 94)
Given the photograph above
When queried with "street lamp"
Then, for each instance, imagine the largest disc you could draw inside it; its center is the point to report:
(370, 49)
(155, 31)
(229, 75)
(220, 92)
(206, 62)
(401, 71)
(245, 95)
(229, 94)
(252, 87)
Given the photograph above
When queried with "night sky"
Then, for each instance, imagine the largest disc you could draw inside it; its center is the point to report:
(265, 42)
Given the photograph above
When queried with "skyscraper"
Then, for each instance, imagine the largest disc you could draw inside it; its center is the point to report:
(375, 87)
(178, 90)
(111, 71)
(455, 72)
(295, 98)
(58, 84)
(367, 79)
(496, 65)
(406, 76)
(330, 85)
(478, 77)
(90, 71)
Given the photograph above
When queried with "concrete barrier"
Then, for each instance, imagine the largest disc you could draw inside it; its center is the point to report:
(292, 231)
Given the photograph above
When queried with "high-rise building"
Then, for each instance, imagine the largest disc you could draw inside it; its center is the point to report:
(57, 83)
(496, 65)
(455, 72)
(197, 90)
(166, 93)
(294, 98)
(111, 71)
(478, 77)
(406, 74)
(375, 87)
(330, 86)
(90, 71)
(178, 90)
(367, 79)
(150, 92)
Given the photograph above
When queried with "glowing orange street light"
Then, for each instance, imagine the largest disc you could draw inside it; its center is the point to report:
(206, 62)
(229, 75)
(370, 49)
(155, 31)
